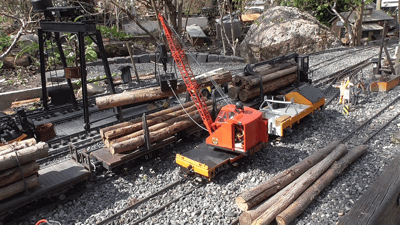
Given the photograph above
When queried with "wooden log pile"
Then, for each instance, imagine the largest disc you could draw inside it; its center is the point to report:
(18, 161)
(274, 77)
(287, 195)
(147, 94)
(129, 135)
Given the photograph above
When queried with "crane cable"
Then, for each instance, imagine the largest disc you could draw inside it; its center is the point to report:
(178, 99)
(217, 87)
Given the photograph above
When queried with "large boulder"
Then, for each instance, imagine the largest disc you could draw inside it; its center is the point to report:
(281, 30)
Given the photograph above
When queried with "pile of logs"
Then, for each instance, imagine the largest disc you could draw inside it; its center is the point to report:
(273, 78)
(147, 94)
(287, 195)
(129, 135)
(12, 168)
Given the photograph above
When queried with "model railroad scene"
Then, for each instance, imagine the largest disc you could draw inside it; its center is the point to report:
(239, 112)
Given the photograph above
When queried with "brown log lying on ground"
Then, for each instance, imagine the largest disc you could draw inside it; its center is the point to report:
(156, 127)
(154, 136)
(245, 95)
(233, 92)
(17, 187)
(298, 206)
(254, 81)
(14, 174)
(267, 211)
(250, 198)
(109, 135)
(25, 155)
(17, 145)
(154, 93)
(138, 120)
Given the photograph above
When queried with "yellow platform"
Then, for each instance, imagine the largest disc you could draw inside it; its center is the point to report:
(385, 83)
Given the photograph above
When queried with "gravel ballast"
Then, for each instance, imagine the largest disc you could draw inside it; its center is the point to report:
(213, 203)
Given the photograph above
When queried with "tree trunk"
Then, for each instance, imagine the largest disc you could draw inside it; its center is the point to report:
(245, 95)
(25, 155)
(250, 198)
(277, 203)
(358, 23)
(17, 187)
(233, 92)
(17, 145)
(254, 81)
(150, 122)
(156, 127)
(397, 64)
(155, 93)
(298, 206)
(154, 136)
(14, 174)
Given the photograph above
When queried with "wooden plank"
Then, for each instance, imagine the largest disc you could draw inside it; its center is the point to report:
(380, 203)
(51, 179)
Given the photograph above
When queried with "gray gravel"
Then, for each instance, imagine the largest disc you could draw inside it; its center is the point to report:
(214, 202)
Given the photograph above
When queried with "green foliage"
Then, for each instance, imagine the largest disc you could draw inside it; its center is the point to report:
(1, 64)
(113, 33)
(321, 9)
(5, 41)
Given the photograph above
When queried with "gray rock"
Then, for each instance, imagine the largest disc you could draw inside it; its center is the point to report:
(225, 58)
(202, 57)
(213, 58)
(145, 58)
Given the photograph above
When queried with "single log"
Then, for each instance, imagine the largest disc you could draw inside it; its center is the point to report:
(233, 92)
(154, 93)
(156, 127)
(17, 187)
(109, 135)
(17, 145)
(138, 120)
(298, 206)
(245, 94)
(266, 213)
(250, 198)
(154, 136)
(254, 81)
(25, 155)
(380, 203)
(14, 174)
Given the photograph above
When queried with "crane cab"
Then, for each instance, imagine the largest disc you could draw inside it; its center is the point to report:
(239, 129)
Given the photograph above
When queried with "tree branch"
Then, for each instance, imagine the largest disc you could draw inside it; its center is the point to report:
(16, 37)
(132, 17)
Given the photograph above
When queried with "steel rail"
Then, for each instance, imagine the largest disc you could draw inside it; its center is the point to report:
(166, 188)
(154, 212)
(345, 138)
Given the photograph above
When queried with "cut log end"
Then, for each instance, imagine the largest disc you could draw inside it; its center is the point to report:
(245, 219)
(241, 203)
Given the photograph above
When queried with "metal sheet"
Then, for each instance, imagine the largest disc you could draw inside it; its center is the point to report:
(209, 156)
(311, 93)
(195, 31)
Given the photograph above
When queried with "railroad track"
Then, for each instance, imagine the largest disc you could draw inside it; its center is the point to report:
(168, 188)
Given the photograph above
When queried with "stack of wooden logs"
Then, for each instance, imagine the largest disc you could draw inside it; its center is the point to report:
(273, 77)
(11, 166)
(220, 76)
(129, 136)
(287, 195)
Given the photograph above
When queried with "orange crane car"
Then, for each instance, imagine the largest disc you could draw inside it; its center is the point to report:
(238, 130)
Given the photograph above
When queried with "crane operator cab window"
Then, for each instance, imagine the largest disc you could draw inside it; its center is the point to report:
(222, 117)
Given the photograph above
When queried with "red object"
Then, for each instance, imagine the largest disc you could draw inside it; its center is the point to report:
(187, 75)
(41, 221)
(242, 130)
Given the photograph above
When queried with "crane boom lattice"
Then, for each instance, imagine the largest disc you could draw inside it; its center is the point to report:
(187, 75)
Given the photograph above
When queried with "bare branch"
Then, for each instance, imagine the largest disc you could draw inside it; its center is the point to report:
(16, 37)
(132, 17)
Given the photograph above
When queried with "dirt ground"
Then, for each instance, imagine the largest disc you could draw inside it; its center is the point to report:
(19, 79)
